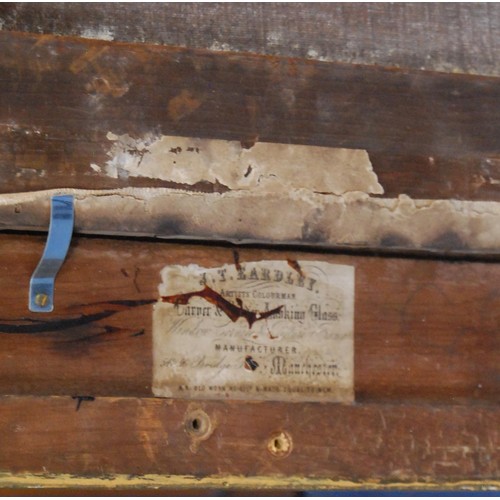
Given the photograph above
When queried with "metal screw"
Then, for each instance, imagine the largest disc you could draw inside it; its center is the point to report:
(41, 299)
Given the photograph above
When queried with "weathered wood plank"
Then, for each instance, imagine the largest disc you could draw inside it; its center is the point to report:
(424, 330)
(441, 37)
(65, 102)
(380, 443)
(60, 97)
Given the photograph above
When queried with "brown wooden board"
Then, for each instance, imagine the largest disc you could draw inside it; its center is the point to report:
(444, 37)
(424, 330)
(429, 135)
(277, 442)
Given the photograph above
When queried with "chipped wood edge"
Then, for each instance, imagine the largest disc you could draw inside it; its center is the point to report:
(156, 481)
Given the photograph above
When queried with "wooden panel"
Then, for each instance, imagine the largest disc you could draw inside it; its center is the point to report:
(384, 443)
(77, 407)
(424, 330)
(443, 37)
(430, 135)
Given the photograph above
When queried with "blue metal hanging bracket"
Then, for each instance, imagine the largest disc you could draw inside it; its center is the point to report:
(62, 216)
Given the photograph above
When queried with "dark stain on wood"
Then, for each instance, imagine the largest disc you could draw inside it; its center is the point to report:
(394, 240)
(172, 226)
(236, 257)
(448, 241)
(136, 274)
(81, 338)
(80, 400)
(313, 233)
(37, 326)
(34, 327)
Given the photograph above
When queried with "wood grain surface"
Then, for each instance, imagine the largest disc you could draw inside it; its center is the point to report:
(416, 86)
(448, 37)
(384, 443)
(428, 135)
(424, 330)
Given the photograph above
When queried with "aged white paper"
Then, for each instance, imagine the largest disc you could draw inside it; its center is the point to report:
(267, 330)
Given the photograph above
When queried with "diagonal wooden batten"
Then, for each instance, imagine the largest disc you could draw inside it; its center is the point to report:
(354, 220)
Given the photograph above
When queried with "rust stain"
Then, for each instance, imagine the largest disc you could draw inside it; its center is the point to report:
(233, 312)
(296, 266)
(183, 105)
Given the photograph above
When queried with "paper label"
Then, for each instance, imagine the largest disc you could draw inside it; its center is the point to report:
(267, 330)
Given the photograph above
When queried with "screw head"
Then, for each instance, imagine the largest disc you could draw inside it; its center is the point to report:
(41, 299)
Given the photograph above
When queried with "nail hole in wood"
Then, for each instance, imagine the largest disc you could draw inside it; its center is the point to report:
(198, 424)
(280, 444)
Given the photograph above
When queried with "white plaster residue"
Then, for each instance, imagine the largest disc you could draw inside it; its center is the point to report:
(99, 33)
(266, 167)
(312, 54)
(274, 38)
(221, 47)
(95, 168)
(354, 219)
